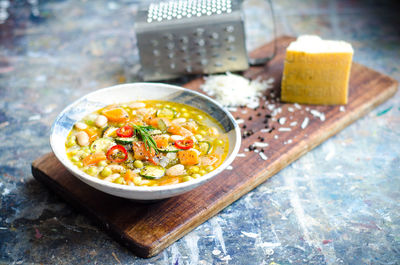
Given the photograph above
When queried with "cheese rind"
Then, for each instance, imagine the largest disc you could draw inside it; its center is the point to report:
(316, 71)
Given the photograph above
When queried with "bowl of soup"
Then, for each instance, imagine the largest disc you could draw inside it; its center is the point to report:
(145, 141)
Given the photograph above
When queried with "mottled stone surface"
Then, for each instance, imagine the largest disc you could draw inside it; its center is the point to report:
(339, 204)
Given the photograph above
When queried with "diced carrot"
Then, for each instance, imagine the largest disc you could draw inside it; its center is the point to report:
(116, 114)
(209, 160)
(161, 140)
(153, 121)
(179, 131)
(136, 120)
(140, 151)
(169, 181)
(92, 133)
(93, 159)
(129, 175)
(188, 157)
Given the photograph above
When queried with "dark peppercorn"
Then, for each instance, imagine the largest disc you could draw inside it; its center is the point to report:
(266, 126)
(262, 139)
(268, 116)
(265, 121)
(252, 148)
(262, 150)
(250, 118)
(259, 114)
(263, 107)
(244, 126)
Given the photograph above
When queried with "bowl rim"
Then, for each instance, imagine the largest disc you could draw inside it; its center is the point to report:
(132, 188)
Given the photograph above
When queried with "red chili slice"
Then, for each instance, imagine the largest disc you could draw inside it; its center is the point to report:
(125, 131)
(117, 154)
(184, 144)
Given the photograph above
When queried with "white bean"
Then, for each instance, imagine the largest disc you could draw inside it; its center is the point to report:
(116, 168)
(176, 170)
(101, 121)
(137, 105)
(179, 121)
(213, 131)
(112, 177)
(82, 138)
(176, 137)
(80, 125)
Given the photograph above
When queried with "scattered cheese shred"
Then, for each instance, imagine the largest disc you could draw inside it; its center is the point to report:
(260, 144)
(318, 114)
(284, 129)
(305, 122)
(234, 90)
(263, 156)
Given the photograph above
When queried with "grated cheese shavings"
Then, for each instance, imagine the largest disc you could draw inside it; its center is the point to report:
(284, 129)
(232, 90)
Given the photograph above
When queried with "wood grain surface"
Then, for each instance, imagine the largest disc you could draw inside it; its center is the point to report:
(147, 229)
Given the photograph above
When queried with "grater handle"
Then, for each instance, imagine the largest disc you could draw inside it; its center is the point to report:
(264, 60)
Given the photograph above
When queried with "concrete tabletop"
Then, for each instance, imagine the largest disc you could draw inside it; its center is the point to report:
(338, 204)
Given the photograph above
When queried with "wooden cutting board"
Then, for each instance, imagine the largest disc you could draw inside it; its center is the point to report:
(147, 229)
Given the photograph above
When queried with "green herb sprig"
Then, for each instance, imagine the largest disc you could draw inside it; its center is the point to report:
(143, 132)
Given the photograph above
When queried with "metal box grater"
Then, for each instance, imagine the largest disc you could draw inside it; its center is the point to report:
(176, 38)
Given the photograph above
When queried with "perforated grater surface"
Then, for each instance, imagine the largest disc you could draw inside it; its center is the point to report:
(190, 37)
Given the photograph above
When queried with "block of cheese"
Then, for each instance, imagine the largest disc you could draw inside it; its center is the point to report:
(316, 71)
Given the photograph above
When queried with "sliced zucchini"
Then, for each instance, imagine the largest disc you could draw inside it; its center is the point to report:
(204, 147)
(152, 172)
(109, 131)
(101, 145)
(161, 125)
(126, 140)
(169, 149)
(166, 113)
(155, 132)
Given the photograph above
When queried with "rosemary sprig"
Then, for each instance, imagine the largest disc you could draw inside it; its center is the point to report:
(143, 132)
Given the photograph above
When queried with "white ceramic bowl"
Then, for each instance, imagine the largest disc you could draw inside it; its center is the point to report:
(140, 91)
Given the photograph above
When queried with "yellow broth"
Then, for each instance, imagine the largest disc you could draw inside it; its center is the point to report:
(147, 143)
